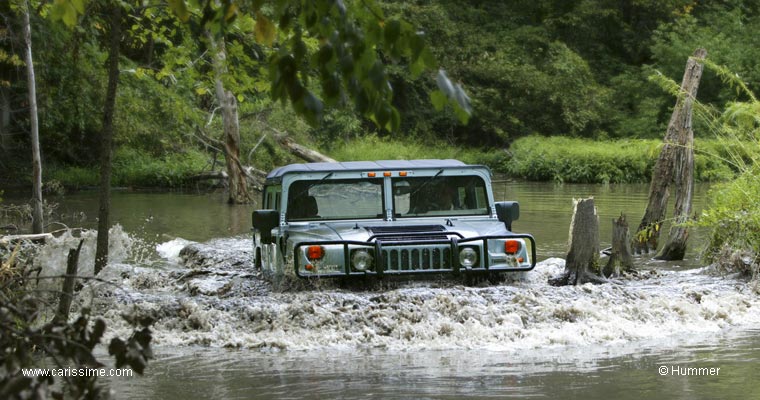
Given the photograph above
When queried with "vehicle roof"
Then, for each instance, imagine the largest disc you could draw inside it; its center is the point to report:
(279, 172)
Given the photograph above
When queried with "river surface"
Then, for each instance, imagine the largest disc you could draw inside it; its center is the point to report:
(221, 332)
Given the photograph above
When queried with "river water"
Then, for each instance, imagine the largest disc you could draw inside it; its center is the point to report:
(222, 333)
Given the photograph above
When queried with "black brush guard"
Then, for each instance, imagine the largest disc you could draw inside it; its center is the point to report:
(376, 248)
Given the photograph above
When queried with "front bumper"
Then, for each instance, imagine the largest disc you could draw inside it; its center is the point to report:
(415, 256)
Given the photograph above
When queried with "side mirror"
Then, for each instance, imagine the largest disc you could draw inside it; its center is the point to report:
(264, 221)
(507, 211)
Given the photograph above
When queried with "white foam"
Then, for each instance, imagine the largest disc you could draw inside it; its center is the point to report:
(220, 305)
(170, 250)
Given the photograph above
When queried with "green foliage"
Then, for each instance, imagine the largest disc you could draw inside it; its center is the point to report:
(137, 168)
(733, 218)
(579, 69)
(337, 43)
(133, 167)
(153, 116)
(733, 215)
(583, 161)
(73, 176)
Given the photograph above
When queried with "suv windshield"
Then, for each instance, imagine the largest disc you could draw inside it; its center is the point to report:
(439, 195)
(335, 199)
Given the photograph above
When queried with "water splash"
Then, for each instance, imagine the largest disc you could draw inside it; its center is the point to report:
(209, 294)
(170, 250)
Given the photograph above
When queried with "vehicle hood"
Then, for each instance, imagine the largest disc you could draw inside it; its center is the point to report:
(367, 230)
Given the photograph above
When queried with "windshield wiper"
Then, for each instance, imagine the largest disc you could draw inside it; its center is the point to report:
(431, 179)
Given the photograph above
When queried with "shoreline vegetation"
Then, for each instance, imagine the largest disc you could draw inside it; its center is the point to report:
(532, 158)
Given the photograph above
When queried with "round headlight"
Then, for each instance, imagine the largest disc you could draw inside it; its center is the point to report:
(468, 257)
(361, 260)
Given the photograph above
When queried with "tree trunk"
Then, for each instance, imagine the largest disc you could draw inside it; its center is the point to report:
(300, 151)
(665, 168)
(583, 256)
(67, 291)
(675, 247)
(109, 109)
(621, 258)
(237, 185)
(37, 222)
(5, 119)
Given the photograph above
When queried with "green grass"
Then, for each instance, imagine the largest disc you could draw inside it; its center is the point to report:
(570, 160)
(132, 167)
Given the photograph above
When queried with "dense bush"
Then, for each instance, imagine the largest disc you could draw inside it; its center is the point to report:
(569, 160)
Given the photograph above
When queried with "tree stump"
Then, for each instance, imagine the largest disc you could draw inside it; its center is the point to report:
(583, 255)
(620, 258)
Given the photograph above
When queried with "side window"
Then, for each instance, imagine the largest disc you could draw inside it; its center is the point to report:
(272, 195)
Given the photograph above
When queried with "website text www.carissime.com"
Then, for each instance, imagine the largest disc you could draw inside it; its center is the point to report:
(77, 372)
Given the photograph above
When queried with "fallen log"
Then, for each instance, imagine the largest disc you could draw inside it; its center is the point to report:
(36, 237)
(255, 176)
(583, 256)
(300, 151)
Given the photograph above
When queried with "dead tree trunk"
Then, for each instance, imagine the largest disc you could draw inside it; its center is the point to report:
(583, 256)
(665, 169)
(237, 185)
(37, 223)
(620, 259)
(67, 292)
(675, 247)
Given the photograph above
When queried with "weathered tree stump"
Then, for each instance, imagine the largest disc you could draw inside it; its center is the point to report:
(620, 258)
(583, 255)
(675, 164)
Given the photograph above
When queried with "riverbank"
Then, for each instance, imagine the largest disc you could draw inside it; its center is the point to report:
(533, 158)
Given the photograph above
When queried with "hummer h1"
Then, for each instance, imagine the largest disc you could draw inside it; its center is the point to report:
(382, 218)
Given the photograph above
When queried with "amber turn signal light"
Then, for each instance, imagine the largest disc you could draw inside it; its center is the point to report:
(315, 252)
(511, 246)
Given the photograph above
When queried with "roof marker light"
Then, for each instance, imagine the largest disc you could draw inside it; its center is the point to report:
(371, 174)
(386, 173)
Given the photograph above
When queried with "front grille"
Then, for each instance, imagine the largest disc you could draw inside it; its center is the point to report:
(417, 259)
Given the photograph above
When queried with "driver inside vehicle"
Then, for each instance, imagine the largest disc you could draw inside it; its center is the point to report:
(440, 198)
(447, 199)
